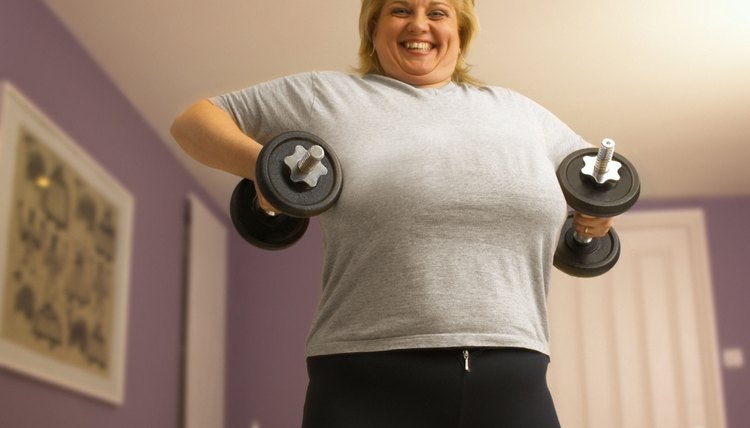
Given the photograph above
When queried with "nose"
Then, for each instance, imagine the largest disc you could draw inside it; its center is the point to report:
(418, 23)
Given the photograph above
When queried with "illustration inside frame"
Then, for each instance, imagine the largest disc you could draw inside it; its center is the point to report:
(65, 238)
(59, 267)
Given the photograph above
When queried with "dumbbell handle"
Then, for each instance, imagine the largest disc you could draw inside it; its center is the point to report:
(601, 173)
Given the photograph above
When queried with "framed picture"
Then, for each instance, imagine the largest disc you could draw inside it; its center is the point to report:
(65, 243)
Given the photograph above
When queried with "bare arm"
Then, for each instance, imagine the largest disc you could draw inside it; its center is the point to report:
(210, 135)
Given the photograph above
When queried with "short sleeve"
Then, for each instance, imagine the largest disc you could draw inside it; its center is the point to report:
(270, 108)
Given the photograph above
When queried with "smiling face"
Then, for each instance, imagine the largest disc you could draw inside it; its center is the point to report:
(417, 41)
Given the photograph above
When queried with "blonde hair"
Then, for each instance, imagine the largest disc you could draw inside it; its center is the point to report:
(468, 26)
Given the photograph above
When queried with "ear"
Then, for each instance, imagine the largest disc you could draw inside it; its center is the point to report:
(373, 29)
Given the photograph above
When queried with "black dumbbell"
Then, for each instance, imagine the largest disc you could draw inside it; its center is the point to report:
(598, 183)
(299, 174)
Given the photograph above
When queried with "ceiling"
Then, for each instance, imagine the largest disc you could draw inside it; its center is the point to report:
(668, 80)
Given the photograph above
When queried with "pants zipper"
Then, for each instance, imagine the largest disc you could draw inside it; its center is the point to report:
(466, 360)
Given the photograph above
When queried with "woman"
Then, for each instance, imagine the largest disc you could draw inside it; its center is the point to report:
(439, 250)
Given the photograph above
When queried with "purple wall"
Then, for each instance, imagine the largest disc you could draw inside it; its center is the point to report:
(272, 295)
(41, 58)
(268, 323)
(267, 326)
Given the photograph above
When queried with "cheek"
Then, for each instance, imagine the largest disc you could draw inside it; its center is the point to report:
(450, 36)
(455, 37)
(380, 37)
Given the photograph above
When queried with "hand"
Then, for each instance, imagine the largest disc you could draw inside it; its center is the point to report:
(592, 227)
(263, 203)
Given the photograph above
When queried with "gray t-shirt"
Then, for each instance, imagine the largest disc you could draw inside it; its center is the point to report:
(449, 215)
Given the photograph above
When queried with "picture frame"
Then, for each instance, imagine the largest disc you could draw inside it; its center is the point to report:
(65, 247)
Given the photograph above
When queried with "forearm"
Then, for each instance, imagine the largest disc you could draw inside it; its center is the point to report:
(209, 135)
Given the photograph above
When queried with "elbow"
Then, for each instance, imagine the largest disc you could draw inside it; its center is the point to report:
(190, 123)
(176, 128)
(180, 130)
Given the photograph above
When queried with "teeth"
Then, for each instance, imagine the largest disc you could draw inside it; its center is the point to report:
(422, 46)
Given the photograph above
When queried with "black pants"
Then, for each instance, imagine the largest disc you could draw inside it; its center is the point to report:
(503, 388)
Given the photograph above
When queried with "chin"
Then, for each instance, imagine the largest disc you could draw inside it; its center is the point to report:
(426, 81)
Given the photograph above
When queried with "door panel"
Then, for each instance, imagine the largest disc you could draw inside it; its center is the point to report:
(205, 319)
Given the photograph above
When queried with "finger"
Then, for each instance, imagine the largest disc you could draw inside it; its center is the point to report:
(592, 227)
(584, 225)
(584, 230)
(268, 208)
(264, 204)
(581, 222)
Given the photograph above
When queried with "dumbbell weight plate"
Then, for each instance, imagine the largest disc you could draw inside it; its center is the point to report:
(297, 199)
(586, 260)
(264, 231)
(587, 197)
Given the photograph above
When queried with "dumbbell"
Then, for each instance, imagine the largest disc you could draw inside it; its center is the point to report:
(300, 175)
(598, 183)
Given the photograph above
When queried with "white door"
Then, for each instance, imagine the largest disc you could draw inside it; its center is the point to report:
(205, 319)
(637, 347)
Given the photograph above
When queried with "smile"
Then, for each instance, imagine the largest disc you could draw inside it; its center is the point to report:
(417, 46)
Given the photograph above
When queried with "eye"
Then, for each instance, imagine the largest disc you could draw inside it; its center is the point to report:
(400, 12)
(437, 14)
